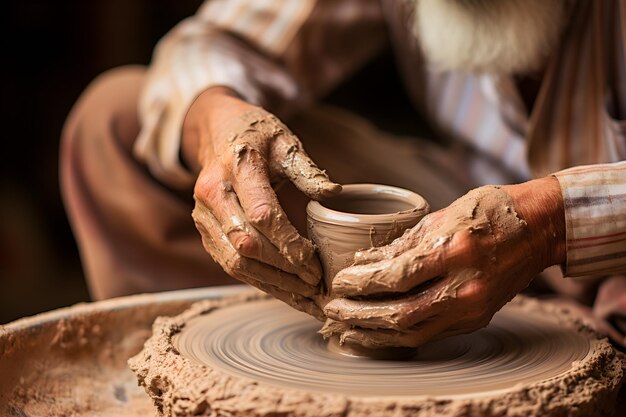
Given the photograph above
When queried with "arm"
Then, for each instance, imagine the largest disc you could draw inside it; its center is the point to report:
(279, 55)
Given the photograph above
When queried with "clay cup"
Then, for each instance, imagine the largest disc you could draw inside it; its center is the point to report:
(360, 217)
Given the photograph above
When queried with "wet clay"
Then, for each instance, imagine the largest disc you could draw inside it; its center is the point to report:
(360, 217)
(286, 157)
(72, 362)
(253, 356)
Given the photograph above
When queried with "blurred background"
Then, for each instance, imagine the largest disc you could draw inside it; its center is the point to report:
(51, 50)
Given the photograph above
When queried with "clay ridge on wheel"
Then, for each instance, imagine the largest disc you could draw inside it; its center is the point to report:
(180, 387)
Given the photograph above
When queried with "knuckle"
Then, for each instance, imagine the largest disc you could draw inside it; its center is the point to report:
(261, 214)
(464, 239)
(208, 187)
(239, 152)
(473, 292)
(234, 265)
(249, 152)
(246, 244)
(464, 245)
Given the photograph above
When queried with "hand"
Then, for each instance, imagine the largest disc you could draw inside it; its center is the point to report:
(452, 271)
(240, 151)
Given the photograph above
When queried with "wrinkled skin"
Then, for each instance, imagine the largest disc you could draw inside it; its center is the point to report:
(240, 151)
(447, 275)
(453, 271)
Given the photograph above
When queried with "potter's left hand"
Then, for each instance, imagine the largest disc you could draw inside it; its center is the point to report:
(454, 270)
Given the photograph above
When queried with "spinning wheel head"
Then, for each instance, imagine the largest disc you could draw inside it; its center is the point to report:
(262, 350)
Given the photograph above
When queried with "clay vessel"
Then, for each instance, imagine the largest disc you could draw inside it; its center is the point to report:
(360, 217)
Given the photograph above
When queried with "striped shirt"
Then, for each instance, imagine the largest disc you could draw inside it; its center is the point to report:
(284, 54)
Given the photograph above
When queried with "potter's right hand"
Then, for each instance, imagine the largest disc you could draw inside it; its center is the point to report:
(240, 151)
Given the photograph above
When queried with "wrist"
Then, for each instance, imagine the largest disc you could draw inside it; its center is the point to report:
(540, 204)
(203, 122)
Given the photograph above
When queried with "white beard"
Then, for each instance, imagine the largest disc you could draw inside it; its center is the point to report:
(494, 36)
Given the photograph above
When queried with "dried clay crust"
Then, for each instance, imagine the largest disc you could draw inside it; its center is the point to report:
(181, 387)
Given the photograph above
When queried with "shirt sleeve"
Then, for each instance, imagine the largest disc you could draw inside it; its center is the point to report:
(595, 218)
(278, 54)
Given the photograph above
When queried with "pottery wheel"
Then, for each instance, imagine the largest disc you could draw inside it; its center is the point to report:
(262, 354)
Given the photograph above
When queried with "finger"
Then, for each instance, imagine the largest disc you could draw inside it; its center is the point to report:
(246, 240)
(399, 314)
(297, 301)
(245, 269)
(395, 275)
(408, 240)
(262, 209)
(332, 327)
(470, 325)
(294, 163)
(379, 314)
(382, 338)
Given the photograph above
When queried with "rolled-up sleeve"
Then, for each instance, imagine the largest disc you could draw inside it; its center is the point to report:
(595, 218)
(279, 54)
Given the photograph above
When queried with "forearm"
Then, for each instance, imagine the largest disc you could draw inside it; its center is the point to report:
(540, 204)
(207, 115)
(194, 58)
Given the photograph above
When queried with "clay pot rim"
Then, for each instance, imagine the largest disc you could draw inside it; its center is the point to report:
(321, 213)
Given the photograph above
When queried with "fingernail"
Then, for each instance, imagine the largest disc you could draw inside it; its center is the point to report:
(330, 189)
(334, 187)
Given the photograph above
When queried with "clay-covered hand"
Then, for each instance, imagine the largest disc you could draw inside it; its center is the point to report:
(453, 271)
(242, 150)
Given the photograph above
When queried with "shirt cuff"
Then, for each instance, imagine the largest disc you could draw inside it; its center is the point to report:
(595, 218)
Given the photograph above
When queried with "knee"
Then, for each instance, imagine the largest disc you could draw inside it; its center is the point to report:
(109, 103)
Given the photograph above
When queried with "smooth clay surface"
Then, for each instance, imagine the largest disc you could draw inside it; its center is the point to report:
(253, 356)
(362, 216)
